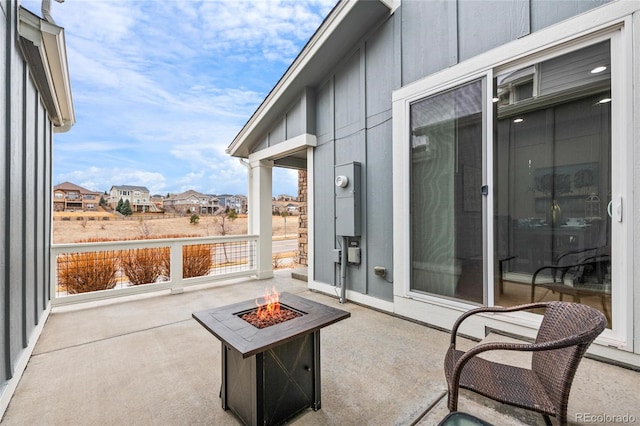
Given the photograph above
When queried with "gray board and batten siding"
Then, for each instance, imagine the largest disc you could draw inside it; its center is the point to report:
(353, 110)
(347, 104)
(25, 196)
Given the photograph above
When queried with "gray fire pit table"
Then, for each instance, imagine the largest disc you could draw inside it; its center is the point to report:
(273, 373)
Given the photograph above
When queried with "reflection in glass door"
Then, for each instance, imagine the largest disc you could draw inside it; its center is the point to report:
(552, 156)
(446, 201)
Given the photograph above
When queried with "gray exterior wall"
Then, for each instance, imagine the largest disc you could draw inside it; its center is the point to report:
(25, 197)
(353, 116)
(297, 120)
(353, 109)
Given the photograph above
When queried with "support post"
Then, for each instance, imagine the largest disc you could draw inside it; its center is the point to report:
(260, 221)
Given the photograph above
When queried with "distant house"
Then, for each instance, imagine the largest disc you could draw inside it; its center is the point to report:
(138, 197)
(71, 197)
(158, 200)
(191, 202)
(279, 207)
(236, 202)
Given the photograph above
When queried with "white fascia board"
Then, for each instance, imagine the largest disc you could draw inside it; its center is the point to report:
(55, 46)
(324, 32)
(50, 42)
(285, 148)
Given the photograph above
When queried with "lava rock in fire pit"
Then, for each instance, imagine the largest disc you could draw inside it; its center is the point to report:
(266, 321)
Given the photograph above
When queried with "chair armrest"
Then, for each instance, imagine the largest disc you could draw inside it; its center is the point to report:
(508, 346)
(570, 252)
(586, 261)
(493, 309)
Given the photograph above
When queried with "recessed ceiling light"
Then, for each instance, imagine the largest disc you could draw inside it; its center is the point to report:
(596, 70)
(604, 101)
(518, 120)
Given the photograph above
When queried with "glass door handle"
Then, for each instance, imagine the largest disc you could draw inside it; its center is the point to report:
(616, 213)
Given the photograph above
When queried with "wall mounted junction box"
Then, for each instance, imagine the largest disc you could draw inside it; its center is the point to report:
(348, 199)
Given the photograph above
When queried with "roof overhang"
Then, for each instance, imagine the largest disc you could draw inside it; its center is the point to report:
(347, 23)
(44, 48)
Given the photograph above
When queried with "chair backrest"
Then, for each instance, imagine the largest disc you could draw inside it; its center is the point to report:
(556, 368)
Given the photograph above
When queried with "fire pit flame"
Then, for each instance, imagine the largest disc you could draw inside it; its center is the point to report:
(271, 306)
(270, 312)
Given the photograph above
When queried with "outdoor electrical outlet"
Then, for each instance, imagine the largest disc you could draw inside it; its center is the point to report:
(380, 271)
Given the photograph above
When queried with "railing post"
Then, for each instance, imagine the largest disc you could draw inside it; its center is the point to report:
(53, 274)
(176, 277)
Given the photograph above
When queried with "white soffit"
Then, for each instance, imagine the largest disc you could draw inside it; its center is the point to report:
(48, 41)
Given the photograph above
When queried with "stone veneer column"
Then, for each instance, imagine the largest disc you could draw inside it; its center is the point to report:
(302, 219)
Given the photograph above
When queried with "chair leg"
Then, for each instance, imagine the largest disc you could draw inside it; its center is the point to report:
(452, 400)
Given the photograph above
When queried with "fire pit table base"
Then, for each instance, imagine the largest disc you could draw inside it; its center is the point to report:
(270, 374)
(272, 386)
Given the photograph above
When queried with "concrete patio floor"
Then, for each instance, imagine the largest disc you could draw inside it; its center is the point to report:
(145, 361)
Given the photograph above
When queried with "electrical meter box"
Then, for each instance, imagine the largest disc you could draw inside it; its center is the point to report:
(348, 200)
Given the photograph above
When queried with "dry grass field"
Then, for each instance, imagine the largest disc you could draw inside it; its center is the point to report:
(79, 226)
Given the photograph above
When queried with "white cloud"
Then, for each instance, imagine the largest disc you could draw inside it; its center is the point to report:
(161, 88)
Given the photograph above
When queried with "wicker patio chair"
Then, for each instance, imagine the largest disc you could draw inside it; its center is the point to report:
(566, 331)
(590, 262)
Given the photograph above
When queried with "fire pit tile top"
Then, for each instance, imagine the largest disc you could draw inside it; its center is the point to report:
(225, 323)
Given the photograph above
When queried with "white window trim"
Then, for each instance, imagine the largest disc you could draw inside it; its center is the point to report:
(612, 22)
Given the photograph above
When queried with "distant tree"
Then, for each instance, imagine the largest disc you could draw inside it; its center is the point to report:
(284, 215)
(222, 221)
(194, 219)
(126, 208)
(103, 202)
(119, 206)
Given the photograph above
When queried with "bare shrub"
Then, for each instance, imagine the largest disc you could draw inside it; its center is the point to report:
(84, 272)
(144, 266)
(145, 229)
(197, 260)
(276, 261)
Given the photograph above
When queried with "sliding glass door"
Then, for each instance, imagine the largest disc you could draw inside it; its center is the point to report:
(552, 173)
(551, 195)
(446, 201)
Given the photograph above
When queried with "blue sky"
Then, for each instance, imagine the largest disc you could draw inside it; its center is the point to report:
(161, 87)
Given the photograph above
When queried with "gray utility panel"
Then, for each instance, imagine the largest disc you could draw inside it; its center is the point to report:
(348, 205)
